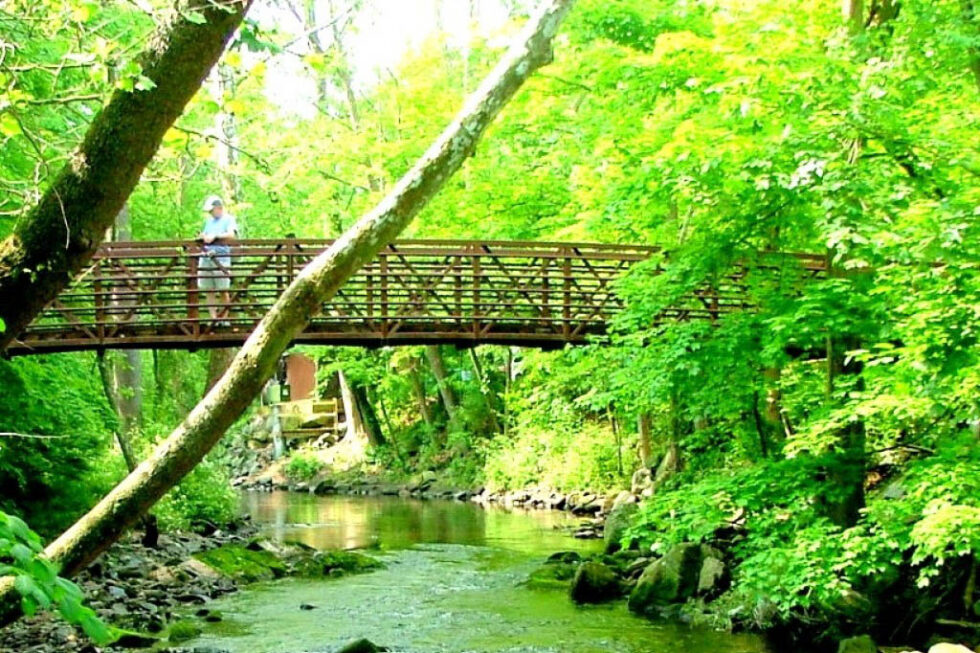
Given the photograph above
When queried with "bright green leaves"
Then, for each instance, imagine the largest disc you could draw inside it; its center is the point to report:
(84, 12)
(37, 580)
(131, 78)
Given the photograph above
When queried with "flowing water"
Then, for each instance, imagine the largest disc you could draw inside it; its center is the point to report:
(452, 583)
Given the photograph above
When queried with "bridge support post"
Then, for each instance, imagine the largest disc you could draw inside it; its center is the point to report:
(566, 299)
(193, 296)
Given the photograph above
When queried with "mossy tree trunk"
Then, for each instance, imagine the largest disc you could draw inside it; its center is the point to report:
(58, 237)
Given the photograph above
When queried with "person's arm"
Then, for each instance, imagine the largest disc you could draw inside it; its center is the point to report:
(204, 237)
(232, 232)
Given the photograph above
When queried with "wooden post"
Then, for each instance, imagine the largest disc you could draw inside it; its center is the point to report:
(476, 296)
(99, 301)
(457, 290)
(566, 308)
(193, 296)
(384, 293)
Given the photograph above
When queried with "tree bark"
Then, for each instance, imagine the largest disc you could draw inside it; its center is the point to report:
(218, 362)
(972, 21)
(853, 13)
(58, 237)
(434, 357)
(372, 426)
(418, 389)
(125, 373)
(352, 410)
(485, 390)
(112, 396)
(643, 431)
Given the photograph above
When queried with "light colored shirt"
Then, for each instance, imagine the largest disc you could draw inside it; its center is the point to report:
(219, 226)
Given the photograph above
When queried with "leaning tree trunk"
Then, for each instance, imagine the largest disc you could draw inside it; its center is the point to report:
(58, 237)
(303, 298)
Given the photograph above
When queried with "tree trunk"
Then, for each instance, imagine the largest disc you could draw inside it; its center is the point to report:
(853, 14)
(509, 378)
(352, 410)
(58, 237)
(303, 298)
(218, 361)
(970, 16)
(225, 151)
(418, 389)
(845, 474)
(372, 426)
(344, 76)
(671, 462)
(112, 396)
(434, 357)
(643, 431)
(127, 373)
(485, 391)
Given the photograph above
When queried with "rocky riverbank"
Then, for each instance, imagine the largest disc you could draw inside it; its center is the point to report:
(159, 596)
(685, 585)
(593, 507)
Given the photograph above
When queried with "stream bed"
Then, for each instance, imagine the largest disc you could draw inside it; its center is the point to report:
(452, 584)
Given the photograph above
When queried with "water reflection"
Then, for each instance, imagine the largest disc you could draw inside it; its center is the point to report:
(393, 523)
(452, 583)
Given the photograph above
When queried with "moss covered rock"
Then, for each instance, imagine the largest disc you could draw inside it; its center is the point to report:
(181, 631)
(334, 563)
(243, 564)
(616, 524)
(594, 582)
(553, 575)
(672, 578)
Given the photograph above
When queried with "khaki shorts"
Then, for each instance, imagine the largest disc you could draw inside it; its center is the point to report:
(212, 276)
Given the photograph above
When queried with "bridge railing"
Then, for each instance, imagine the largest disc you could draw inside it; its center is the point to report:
(137, 293)
(147, 294)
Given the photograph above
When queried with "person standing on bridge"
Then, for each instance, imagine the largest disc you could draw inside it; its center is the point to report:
(214, 269)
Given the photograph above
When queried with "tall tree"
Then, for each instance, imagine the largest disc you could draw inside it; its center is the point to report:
(303, 298)
(438, 366)
(55, 240)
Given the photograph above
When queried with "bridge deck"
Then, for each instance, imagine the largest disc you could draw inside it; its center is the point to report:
(146, 295)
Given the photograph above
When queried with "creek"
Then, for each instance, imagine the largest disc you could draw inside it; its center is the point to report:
(452, 583)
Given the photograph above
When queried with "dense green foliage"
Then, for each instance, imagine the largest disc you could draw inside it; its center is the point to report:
(37, 580)
(828, 436)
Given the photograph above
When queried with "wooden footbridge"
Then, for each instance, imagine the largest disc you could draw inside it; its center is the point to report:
(146, 295)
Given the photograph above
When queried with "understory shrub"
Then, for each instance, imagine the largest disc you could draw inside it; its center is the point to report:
(303, 466)
(203, 495)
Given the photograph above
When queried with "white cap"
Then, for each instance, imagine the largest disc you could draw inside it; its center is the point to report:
(212, 202)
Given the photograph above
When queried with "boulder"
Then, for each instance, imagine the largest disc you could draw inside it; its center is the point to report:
(616, 524)
(713, 576)
(670, 579)
(642, 480)
(624, 498)
(949, 648)
(587, 504)
(860, 644)
(361, 646)
(134, 640)
(594, 582)
(607, 503)
(553, 575)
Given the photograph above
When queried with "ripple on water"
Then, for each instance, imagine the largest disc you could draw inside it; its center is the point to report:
(448, 596)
